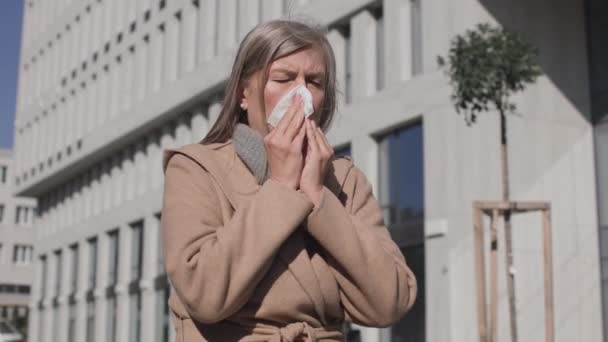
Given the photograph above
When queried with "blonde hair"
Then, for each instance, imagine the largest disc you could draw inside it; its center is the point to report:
(261, 46)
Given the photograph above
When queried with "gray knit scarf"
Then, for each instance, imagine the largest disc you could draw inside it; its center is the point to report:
(249, 146)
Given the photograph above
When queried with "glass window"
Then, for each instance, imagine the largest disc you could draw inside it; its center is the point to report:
(1, 212)
(55, 325)
(343, 151)
(92, 263)
(29, 254)
(111, 319)
(41, 325)
(162, 314)
(161, 255)
(16, 249)
(43, 265)
(135, 320)
(25, 213)
(378, 14)
(401, 194)
(58, 271)
(90, 332)
(416, 37)
(72, 323)
(137, 234)
(74, 280)
(3, 172)
(113, 265)
(18, 214)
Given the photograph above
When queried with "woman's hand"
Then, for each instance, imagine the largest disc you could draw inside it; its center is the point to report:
(318, 156)
(284, 146)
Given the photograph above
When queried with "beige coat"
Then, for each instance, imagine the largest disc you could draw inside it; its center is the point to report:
(258, 263)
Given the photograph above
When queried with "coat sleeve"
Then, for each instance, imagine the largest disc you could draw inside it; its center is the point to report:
(376, 286)
(214, 266)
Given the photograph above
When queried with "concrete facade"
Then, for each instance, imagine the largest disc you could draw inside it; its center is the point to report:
(17, 238)
(106, 85)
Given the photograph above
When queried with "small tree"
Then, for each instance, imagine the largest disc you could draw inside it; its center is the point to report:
(485, 67)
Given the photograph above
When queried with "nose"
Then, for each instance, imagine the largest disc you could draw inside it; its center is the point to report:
(300, 81)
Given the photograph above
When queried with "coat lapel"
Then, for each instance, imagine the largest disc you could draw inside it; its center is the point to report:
(293, 253)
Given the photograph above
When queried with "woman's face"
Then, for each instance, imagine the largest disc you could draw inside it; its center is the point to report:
(304, 67)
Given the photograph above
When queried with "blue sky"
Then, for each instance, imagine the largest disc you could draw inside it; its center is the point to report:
(11, 14)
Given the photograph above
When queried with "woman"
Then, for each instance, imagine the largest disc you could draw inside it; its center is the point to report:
(268, 237)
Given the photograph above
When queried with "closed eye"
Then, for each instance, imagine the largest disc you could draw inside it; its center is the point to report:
(316, 84)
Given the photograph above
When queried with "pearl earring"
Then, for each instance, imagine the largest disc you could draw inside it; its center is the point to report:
(243, 107)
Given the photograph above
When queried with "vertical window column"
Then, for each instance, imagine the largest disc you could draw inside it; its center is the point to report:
(122, 285)
(271, 9)
(97, 20)
(338, 44)
(182, 132)
(47, 302)
(154, 158)
(142, 58)
(117, 183)
(85, 36)
(189, 37)
(248, 16)
(167, 140)
(128, 171)
(102, 282)
(227, 31)
(96, 191)
(78, 200)
(68, 208)
(364, 59)
(35, 312)
(106, 184)
(434, 31)
(82, 282)
(171, 48)
(155, 71)
(103, 93)
(35, 143)
(116, 85)
(91, 104)
(61, 212)
(149, 275)
(128, 80)
(207, 44)
(135, 284)
(199, 124)
(63, 300)
(80, 114)
(141, 169)
(69, 128)
(77, 30)
(113, 17)
(114, 288)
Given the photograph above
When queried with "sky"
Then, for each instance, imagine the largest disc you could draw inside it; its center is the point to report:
(11, 14)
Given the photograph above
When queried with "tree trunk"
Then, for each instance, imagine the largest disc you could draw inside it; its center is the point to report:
(508, 235)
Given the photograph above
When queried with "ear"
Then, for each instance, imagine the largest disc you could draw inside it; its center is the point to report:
(245, 95)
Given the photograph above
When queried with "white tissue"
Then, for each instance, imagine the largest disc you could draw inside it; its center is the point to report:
(285, 102)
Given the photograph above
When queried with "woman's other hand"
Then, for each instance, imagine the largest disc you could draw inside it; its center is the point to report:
(284, 146)
(318, 156)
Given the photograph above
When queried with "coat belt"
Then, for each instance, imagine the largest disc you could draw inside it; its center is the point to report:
(302, 332)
